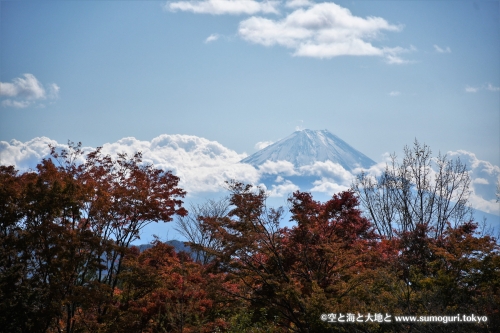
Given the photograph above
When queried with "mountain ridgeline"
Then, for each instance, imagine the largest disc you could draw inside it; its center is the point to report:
(305, 147)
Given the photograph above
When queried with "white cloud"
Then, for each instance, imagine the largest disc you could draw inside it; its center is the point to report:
(333, 177)
(394, 93)
(475, 164)
(274, 168)
(220, 7)
(25, 155)
(481, 181)
(317, 30)
(283, 189)
(212, 38)
(324, 30)
(328, 170)
(377, 169)
(328, 186)
(202, 165)
(484, 176)
(28, 87)
(263, 144)
(441, 50)
(24, 91)
(479, 202)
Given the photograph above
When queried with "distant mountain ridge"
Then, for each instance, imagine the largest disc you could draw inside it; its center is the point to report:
(307, 146)
(178, 245)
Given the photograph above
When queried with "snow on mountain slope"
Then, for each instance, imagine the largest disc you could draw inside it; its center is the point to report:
(308, 146)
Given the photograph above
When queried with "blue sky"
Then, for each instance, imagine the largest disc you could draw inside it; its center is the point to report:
(141, 69)
(228, 76)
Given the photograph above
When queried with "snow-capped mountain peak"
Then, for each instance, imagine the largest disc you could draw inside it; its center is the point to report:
(307, 146)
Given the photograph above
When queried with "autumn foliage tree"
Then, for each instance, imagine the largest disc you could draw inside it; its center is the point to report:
(457, 273)
(290, 276)
(161, 290)
(334, 261)
(66, 229)
(67, 263)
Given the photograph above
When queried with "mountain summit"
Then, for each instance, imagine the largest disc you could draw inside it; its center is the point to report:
(307, 146)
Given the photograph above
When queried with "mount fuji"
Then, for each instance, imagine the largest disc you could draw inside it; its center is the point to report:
(306, 147)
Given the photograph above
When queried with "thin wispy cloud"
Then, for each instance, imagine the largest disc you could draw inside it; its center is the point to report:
(15, 104)
(53, 91)
(396, 60)
(488, 87)
(470, 89)
(491, 87)
(394, 93)
(301, 126)
(25, 91)
(221, 7)
(441, 50)
(393, 55)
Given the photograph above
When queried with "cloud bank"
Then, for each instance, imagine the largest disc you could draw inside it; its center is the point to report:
(201, 164)
(484, 176)
(204, 165)
(25, 91)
